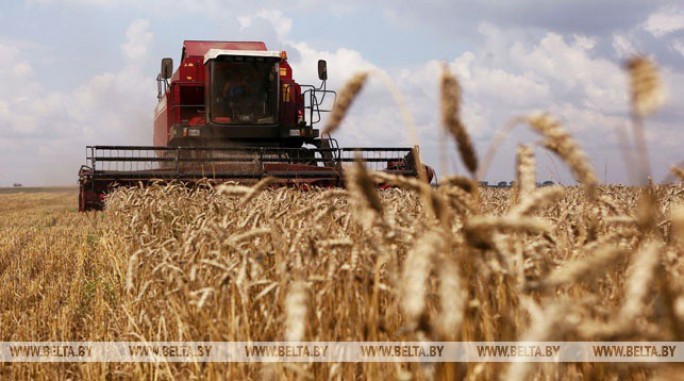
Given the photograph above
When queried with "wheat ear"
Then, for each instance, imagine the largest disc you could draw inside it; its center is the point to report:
(646, 88)
(560, 142)
(525, 171)
(347, 95)
(451, 118)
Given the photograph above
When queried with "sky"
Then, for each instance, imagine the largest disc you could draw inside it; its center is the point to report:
(82, 72)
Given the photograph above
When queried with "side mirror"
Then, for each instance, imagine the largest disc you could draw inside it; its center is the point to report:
(322, 70)
(166, 68)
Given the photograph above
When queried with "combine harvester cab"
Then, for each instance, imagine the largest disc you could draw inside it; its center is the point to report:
(233, 112)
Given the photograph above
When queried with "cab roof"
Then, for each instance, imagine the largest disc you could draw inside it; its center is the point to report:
(265, 54)
(200, 48)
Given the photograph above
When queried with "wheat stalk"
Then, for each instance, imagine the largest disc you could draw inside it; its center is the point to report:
(640, 276)
(256, 189)
(646, 89)
(419, 263)
(364, 194)
(584, 268)
(452, 298)
(537, 200)
(346, 97)
(296, 311)
(561, 143)
(679, 172)
(451, 118)
(525, 171)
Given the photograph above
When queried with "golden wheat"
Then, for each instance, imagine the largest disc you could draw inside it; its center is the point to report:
(647, 92)
(451, 118)
(237, 263)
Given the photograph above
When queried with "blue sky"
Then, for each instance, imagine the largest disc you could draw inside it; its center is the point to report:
(79, 72)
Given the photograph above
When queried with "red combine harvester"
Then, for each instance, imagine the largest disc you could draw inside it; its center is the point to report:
(233, 112)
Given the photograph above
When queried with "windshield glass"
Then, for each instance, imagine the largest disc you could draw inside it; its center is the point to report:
(244, 92)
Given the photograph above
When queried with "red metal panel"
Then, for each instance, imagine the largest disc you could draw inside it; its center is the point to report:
(175, 111)
(189, 70)
(285, 71)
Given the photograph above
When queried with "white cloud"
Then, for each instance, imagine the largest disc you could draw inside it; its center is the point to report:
(505, 71)
(72, 2)
(583, 43)
(677, 45)
(559, 74)
(507, 76)
(22, 70)
(623, 46)
(372, 112)
(282, 24)
(14, 71)
(139, 40)
(506, 88)
(342, 63)
(665, 21)
(244, 21)
(53, 127)
(575, 69)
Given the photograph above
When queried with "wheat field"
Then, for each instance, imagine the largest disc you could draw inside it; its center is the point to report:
(412, 262)
(168, 263)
